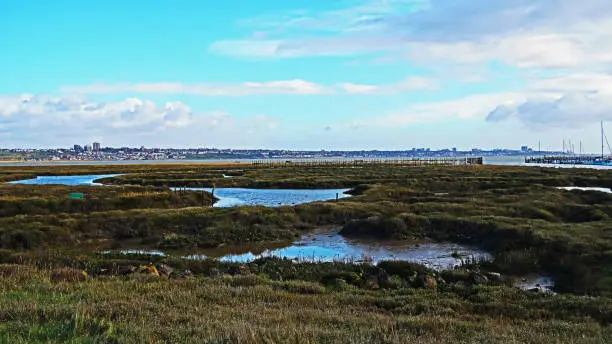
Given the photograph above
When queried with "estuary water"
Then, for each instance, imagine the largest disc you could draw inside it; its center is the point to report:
(570, 188)
(228, 197)
(65, 180)
(329, 247)
(231, 197)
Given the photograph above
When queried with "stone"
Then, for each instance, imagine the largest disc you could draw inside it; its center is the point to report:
(214, 272)
(126, 269)
(244, 270)
(165, 270)
(371, 283)
(496, 276)
(478, 278)
(239, 270)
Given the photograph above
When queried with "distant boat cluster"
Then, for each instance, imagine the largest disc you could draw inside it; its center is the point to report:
(570, 160)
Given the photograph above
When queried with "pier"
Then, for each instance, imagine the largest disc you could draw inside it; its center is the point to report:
(441, 161)
(570, 160)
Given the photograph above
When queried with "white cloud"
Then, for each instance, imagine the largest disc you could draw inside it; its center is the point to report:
(295, 86)
(522, 33)
(408, 84)
(468, 108)
(46, 120)
(284, 87)
(573, 100)
(570, 110)
(561, 50)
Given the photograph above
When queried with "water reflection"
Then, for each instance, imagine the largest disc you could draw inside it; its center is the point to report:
(231, 197)
(65, 180)
(536, 283)
(570, 188)
(334, 247)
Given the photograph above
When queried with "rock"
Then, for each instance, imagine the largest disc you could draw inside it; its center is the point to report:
(534, 290)
(239, 270)
(126, 269)
(371, 283)
(68, 275)
(478, 278)
(495, 276)
(425, 281)
(148, 270)
(165, 270)
(214, 272)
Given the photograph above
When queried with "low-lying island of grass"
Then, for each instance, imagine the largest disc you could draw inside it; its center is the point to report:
(56, 286)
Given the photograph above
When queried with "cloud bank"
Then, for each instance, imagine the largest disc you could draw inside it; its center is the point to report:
(562, 50)
(280, 87)
(47, 120)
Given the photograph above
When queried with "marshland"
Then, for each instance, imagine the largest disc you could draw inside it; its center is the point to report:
(140, 258)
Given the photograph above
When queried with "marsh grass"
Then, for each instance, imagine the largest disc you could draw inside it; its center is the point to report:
(515, 213)
(245, 309)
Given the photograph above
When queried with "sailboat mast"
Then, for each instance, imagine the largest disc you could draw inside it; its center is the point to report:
(602, 140)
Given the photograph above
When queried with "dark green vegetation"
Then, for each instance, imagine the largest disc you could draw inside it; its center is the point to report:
(515, 213)
(19, 199)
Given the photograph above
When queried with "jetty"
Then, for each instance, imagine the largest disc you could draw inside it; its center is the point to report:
(570, 160)
(438, 161)
(582, 159)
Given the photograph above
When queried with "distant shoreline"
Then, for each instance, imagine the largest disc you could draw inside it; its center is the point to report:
(124, 162)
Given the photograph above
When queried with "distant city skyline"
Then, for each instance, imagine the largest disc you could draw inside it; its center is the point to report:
(305, 75)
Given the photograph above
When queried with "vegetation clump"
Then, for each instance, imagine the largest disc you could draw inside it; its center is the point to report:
(517, 214)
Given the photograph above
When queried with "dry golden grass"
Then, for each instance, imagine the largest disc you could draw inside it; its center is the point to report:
(147, 309)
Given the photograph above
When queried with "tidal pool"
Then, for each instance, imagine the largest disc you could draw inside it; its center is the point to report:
(539, 282)
(65, 180)
(231, 197)
(334, 247)
(570, 188)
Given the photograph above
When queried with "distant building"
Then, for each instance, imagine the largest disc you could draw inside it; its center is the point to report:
(524, 149)
(96, 146)
(87, 148)
(78, 148)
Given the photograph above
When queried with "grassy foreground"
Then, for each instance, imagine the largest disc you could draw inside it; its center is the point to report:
(517, 214)
(252, 309)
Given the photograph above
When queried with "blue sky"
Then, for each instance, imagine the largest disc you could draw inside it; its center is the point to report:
(335, 74)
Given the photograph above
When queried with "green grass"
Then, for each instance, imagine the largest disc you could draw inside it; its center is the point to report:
(515, 213)
(141, 309)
